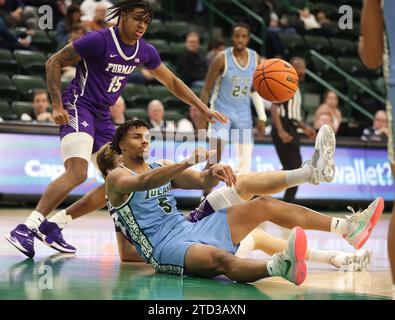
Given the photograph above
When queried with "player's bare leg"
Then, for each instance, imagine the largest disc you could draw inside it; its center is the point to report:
(355, 228)
(59, 189)
(260, 240)
(207, 261)
(22, 237)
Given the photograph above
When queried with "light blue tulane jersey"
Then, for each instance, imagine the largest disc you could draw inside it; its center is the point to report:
(231, 94)
(147, 217)
(388, 7)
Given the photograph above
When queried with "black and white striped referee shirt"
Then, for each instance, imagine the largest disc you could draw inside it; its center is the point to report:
(292, 109)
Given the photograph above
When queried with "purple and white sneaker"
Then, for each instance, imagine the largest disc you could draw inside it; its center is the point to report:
(22, 238)
(50, 234)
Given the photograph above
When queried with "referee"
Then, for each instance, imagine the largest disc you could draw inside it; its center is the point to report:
(286, 120)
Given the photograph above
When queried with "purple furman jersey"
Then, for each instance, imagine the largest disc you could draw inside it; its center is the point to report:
(105, 68)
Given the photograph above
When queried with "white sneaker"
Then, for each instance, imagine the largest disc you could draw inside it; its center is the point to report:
(323, 162)
(290, 263)
(363, 260)
(344, 261)
(358, 261)
(363, 222)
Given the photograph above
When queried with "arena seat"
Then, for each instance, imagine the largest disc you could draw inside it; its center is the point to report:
(160, 44)
(5, 111)
(159, 92)
(21, 107)
(7, 90)
(42, 41)
(291, 42)
(8, 65)
(343, 46)
(140, 113)
(173, 116)
(132, 91)
(320, 44)
(31, 62)
(174, 104)
(27, 84)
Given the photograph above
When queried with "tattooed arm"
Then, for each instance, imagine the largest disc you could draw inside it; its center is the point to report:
(65, 57)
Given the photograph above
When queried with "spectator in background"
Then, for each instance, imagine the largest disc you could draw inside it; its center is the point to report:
(40, 108)
(216, 47)
(77, 31)
(63, 28)
(88, 8)
(301, 8)
(11, 15)
(118, 111)
(141, 76)
(379, 130)
(321, 17)
(330, 106)
(13, 10)
(156, 114)
(191, 66)
(189, 124)
(323, 118)
(99, 19)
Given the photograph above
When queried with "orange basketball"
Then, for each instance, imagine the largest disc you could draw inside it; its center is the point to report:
(276, 80)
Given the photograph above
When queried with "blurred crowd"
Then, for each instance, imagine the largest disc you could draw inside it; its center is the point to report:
(73, 19)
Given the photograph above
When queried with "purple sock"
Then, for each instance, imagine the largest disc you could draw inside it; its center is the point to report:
(203, 210)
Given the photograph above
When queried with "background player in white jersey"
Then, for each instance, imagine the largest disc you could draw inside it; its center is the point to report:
(142, 204)
(376, 47)
(105, 60)
(229, 84)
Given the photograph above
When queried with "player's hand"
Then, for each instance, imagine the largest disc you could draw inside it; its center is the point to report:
(223, 173)
(45, 116)
(310, 133)
(200, 155)
(212, 116)
(60, 116)
(261, 127)
(285, 136)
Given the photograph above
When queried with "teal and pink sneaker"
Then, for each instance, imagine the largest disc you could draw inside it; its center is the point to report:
(290, 263)
(363, 222)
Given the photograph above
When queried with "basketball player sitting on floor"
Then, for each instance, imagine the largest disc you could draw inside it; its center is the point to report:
(225, 197)
(141, 201)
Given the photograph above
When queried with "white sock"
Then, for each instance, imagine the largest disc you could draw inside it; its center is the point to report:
(270, 270)
(62, 219)
(34, 220)
(246, 245)
(298, 176)
(339, 226)
(393, 292)
(321, 256)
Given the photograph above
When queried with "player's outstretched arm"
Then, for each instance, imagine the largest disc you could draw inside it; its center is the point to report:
(119, 182)
(181, 91)
(371, 43)
(206, 179)
(65, 57)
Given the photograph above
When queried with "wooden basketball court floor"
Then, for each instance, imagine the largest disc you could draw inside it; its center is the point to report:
(95, 272)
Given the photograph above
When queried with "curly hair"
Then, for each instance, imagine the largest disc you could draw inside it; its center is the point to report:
(127, 6)
(122, 132)
(106, 160)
